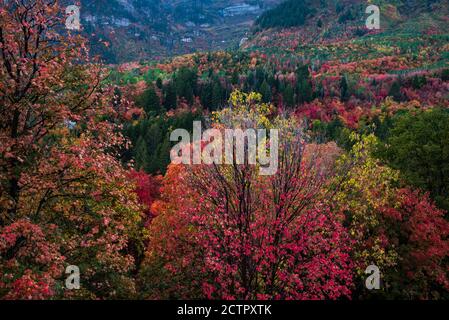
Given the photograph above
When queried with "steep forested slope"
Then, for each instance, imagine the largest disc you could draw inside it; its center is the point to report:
(151, 29)
(332, 19)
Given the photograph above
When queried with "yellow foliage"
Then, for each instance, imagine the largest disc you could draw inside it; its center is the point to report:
(365, 188)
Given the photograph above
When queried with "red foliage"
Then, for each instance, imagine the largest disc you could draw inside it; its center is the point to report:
(23, 245)
(30, 287)
(62, 188)
(245, 237)
(421, 233)
(147, 190)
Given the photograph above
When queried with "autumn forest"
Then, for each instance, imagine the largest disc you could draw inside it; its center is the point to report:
(88, 185)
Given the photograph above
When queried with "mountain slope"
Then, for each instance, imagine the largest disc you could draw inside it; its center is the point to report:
(143, 29)
(337, 19)
(336, 30)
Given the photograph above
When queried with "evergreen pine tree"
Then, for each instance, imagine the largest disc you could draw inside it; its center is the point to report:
(141, 154)
(304, 84)
(265, 90)
(170, 97)
(289, 96)
(395, 92)
(149, 101)
(163, 155)
(319, 93)
(445, 75)
(206, 95)
(217, 95)
(235, 78)
(304, 91)
(344, 90)
(186, 83)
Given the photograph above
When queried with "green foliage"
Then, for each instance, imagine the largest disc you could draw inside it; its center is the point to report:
(265, 90)
(445, 75)
(186, 83)
(417, 146)
(395, 92)
(150, 139)
(170, 97)
(335, 130)
(152, 75)
(288, 95)
(141, 154)
(217, 96)
(344, 89)
(149, 101)
(290, 13)
(206, 95)
(418, 82)
(304, 89)
(347, 16)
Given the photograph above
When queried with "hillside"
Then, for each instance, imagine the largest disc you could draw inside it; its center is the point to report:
(130, 30)
(321, 21)
(375, 65)
(308, 162)
(376, 100)
(152, 29)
